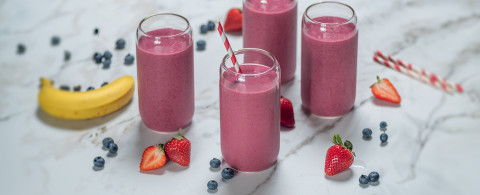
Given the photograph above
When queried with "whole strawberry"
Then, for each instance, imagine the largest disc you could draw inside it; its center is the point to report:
(233, 22)
(178, 150)
(287, 117)
(339, 156)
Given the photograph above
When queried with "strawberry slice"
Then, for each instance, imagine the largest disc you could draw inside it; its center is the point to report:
(178, 150)
(233, 21)
(287, 116)
(384, 90)
(153, 158)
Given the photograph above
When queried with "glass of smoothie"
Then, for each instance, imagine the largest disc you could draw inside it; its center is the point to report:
(165, 72)
(272, 25)
(250, 110)
(329, 59)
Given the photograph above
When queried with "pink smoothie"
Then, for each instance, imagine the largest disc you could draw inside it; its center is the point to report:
(250, 119)
(272, 27)
(329, 67)
(165, 80)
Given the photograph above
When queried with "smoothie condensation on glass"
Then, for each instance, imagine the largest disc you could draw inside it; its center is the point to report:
(250, 116)
(329, 62)
(271, 25)
(165, 78)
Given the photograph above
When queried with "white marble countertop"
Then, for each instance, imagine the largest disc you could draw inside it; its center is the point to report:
(432, 135)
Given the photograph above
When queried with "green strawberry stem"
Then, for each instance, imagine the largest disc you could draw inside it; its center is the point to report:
(347, 145)
(378, 79)
(179, 136)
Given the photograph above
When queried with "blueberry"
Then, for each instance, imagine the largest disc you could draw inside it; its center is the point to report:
(55, 40)
(112, 148)
(98, 161)
(211, 25)
(201, 45)
(21, 48)
(95, 31)
(120, 44)
(215, 163)
(106, 63)
(64, 87)
(228, 173)
(367, 133)
(90, 88)
(212, 185)
(66, 55)
(97, 57)
(104, 83)
(107, 141)
(77, 88)
(373, 177)
(363, 179)
(107, 55)
(203, 29)
(383, 137)
(383, 125)
(129, 59)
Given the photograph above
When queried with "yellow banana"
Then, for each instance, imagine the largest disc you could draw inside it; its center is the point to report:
(88, 104)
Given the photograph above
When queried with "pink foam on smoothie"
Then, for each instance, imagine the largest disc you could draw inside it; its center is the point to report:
(165, 79)
(250, 119)
(272, 26)
(329, 66)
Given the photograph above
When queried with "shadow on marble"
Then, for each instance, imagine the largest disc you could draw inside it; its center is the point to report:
(77, 124)
(384, 103)
(341, 177)
(282, 128)
(235, 33)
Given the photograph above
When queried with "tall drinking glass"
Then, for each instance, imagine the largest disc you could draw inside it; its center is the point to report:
(329, 59)
(250, 110)
(272, 25)
(165, 72)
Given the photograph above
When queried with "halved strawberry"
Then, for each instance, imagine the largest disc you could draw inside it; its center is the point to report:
(178, 150)
(384, 90)
(233, 22)
(153, 158)
(287, 116)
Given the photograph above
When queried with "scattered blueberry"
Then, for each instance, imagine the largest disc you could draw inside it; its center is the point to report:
(107, 55)
(97, 57)
(363, 179)
(107, 141)
(90, 88)
(77, 88)
(98, 161)
(211, 25)
(383, 125)
(95, 31)
(104, 83)
(21, 48)
(55, 40)
(367, 133)
(215, 163)
(383, 137)
(64, 87)
(112, 148)
(373, 177)
(66, 55)
(228, 173)
(201, 45)
(120, 44)
(129, 59)
(203, 29)
(106, 63)
(212, 185)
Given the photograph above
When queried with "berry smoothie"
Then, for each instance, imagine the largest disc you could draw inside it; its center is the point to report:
(329, 66)
(272, 25)
(250, 119)
(165, 79)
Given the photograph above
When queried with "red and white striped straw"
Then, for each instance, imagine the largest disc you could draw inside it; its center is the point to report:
(228, 47)
(433, 77)
(412, 74)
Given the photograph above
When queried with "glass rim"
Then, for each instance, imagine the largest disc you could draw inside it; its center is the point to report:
(185, 31)
(243, 50)
(330, 2)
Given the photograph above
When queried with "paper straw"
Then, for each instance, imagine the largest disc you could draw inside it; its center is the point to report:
(412, 74)
(228, 47)
(418, 70)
